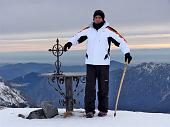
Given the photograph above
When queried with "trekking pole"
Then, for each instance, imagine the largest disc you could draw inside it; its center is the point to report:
(120, 87)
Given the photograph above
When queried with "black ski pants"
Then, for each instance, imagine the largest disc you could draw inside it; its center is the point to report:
(101, 73)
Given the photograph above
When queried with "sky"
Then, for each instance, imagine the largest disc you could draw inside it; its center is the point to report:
(34, 25)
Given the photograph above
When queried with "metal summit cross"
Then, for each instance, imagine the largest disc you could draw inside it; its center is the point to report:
(57, 51)
(59, 78)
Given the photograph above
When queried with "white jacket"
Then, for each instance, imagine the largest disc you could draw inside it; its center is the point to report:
(98, 43)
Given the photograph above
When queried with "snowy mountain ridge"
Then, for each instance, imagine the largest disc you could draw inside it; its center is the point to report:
(10, 97)
(150, 67)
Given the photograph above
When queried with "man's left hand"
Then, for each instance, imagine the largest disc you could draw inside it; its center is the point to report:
(128, 57)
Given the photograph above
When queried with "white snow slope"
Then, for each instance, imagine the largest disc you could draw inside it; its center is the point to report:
(9, 118)
(10, 96)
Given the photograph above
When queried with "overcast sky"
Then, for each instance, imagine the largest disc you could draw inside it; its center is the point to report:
(26, 25)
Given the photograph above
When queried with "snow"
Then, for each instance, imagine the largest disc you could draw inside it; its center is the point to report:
(68, 74)
(165, 96)
(150, 67)
(9, 95)
(9, 118)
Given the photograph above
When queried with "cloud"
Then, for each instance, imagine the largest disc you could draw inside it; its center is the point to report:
(34, 25)
(43, 44)
(24, 16)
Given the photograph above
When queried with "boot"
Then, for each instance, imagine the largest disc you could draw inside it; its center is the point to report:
(89, 115)
(102, 114)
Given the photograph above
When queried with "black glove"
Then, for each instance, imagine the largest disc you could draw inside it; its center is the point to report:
(128, 57)
(67, 45)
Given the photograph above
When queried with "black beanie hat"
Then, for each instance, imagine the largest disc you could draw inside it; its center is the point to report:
(100, 13)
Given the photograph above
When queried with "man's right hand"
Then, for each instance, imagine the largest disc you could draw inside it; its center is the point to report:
(67, 46)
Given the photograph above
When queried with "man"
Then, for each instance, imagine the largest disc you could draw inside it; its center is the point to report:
(99, 37)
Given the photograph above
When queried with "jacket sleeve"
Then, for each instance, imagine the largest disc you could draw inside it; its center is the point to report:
(119, 38)
(79, 37)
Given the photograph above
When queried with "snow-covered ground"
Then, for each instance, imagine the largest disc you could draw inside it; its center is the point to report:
(9, 118)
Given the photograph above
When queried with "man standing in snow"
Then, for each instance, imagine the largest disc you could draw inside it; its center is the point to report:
(99, 37)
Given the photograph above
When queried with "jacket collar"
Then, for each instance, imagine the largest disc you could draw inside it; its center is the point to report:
(104, 26)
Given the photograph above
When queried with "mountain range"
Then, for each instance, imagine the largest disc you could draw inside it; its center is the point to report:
(146, 86)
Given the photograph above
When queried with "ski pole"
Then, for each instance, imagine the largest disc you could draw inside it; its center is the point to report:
(120, 87)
